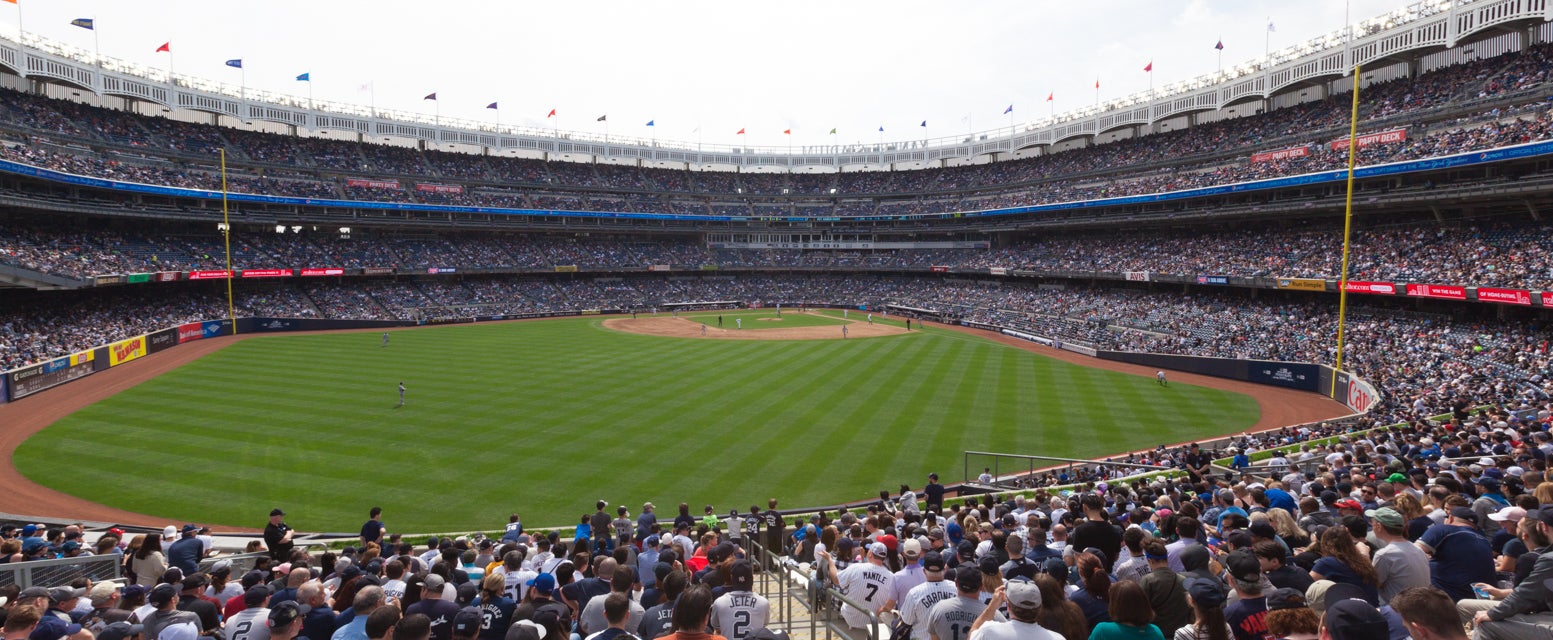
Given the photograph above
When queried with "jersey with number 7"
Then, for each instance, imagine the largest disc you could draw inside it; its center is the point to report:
(867, 584)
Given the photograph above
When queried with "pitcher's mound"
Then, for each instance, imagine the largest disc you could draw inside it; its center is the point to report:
(686, 328)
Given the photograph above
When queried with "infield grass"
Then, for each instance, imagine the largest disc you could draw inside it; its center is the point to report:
(543, 418)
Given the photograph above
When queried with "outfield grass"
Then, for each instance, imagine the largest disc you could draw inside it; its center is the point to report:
(544, 418)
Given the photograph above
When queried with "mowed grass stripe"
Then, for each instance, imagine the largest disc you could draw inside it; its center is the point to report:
(543, 418)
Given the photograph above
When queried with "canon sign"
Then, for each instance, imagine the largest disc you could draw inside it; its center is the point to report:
(1361, 396)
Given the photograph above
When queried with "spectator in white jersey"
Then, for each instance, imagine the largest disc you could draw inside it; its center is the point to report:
(921, 599)
(866, 583)
(740, 611)
(953, 618)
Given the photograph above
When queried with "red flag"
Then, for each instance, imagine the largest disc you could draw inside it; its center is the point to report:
(1149, 68)
(1052, 95)
(167, 47)
(552, 114)
(787, 131)
(1097, 83)
(741, 132)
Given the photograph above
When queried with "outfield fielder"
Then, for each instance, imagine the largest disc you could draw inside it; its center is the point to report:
(1161, 378)
(385, 338)
(870, 318)
(401, 394)
(738, 323)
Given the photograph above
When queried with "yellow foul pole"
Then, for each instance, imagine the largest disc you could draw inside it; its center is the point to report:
(1342, 283)
(226, 233)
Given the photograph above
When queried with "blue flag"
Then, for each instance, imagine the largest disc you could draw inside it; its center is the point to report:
(306, 77)
(84, 23)
(881, 128)
(650, 123)
(493, 106)
(924, 123)
(236, 63)
(1009, 110)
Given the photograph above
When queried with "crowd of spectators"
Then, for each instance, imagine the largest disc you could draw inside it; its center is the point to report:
(1505, 253)
(1476, 105)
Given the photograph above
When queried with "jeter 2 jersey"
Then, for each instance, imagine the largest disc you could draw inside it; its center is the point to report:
(865, 583)
(736, 613)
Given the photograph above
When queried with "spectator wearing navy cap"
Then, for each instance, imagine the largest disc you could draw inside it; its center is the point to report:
(165, 600)
(286, 621)
(1353, 619)
(1458, 554)
(539, 603)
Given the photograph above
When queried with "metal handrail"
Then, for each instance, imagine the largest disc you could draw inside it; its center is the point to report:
(822, 601)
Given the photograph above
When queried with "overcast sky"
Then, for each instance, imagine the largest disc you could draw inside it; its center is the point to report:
(717, 66)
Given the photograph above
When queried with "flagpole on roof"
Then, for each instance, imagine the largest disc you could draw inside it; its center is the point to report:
(96, 45)
(21, 32)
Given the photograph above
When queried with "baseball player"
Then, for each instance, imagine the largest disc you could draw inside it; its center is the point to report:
(738, 323)
(870, 318)
(401, 392)
(703, 331)
(385, 338)
(1161, 378)
(843, 331)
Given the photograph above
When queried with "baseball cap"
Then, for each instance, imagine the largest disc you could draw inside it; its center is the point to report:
(932, 561)
(741, 576)
(966, 550)
(1488, 483)
(1206, 593)
(433, 582)
(191, 528)
(276, 512)
(888, 541)
(967, 578)
(1348, 503)
(720, 553)
(466, 623)
(101, 592)
(1262, 530)
(543, 583)
(61, 594)
(1022, 593)
(120, 631)
(169, 531)
(179, 631)
(538, 629)
(1386, 516)
(651, 541)
(1349, 618)
(33, 592)
(162, 594)
(878, 550)
(1465, 513)
(1285, 599)
(1243, 565)
(1056, 568)
(1397, 478)
(1511, 514)
(911, 548)
(286, 613)
(194, 582)
(29, 530)
(255, 595)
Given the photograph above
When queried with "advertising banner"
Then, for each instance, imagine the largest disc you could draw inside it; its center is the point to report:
(209, 275)
(1361, 396)
(998, 271)
(308, 273)
(1547, 299)
(658, 267)
(372, 184)
(1507, 296)
(1295, 375)
(1448, 292)
(137, 278)
(166, 276)
(213, 328)
(938, 269)
(377, 271)
(1378, 288)
(190, 332)
(439, 188)
(5, 389)
(1394, 135)
(572, 268)
(274, 324)
(161, 340)
(1212, 279)
(266, 273)
(436, 270)
(1302, 284)
(107, 280)
(125, 350)
(30, 380)
(1269, 156)
(1136, 276)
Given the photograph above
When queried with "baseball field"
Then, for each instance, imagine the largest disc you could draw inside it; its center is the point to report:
(544, 417)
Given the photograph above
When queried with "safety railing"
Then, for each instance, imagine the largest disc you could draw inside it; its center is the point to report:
(802, 602)
(60, 571)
